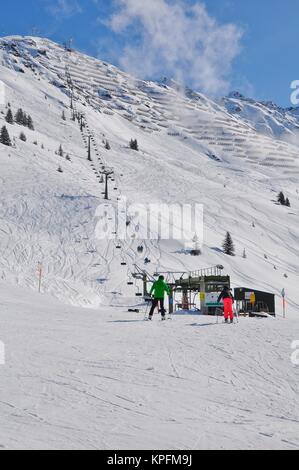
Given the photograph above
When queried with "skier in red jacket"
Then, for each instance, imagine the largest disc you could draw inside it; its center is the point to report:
(228, 301)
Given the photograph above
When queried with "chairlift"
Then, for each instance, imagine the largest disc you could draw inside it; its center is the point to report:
(130, 278)
(138, 294)
(123, 263)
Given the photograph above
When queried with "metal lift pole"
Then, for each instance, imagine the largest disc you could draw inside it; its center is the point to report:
(171, 301)
(107, 174)
(89, 149)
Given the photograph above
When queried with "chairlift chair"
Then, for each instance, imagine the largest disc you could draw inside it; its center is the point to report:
(138, 294)
(130, 279)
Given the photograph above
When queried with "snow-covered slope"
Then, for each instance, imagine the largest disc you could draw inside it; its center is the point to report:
(191, 150)
(265, 117)
(81, 379)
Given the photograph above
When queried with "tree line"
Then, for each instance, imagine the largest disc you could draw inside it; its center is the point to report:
(20, 118)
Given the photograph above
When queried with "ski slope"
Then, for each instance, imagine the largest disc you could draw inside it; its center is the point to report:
(86, 379)
(192, 150)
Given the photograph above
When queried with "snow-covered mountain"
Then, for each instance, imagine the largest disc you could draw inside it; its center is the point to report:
(233, 156)
(266, 117)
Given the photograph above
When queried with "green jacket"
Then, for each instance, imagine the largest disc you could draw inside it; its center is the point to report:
(159, 288)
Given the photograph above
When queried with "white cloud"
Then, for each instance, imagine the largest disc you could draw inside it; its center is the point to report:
(65, 8)
(175, 39)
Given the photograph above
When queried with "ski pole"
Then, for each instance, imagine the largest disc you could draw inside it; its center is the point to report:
(236, 314)
(146, 311)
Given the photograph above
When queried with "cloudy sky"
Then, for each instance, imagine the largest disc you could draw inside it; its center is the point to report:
(214, 46)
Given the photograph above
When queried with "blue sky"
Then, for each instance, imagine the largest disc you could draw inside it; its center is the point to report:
(264, 66)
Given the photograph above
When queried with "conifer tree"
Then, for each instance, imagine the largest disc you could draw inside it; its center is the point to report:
(287, 203)
(25, 120)
(23, 137)
(134, 145)
(30, 123)
(281, 198)
(19, 118)
(4, 137)
(228, 245)
(9, 117)
(60, 151)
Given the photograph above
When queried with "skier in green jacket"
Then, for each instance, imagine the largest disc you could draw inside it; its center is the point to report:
(158, 291)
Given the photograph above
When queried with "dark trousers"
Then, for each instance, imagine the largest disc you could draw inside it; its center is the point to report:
(155, 304)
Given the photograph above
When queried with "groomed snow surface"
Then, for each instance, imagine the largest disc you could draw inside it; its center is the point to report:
(85, 379)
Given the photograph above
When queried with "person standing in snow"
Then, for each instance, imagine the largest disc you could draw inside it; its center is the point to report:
(158, 291)
(228, 300)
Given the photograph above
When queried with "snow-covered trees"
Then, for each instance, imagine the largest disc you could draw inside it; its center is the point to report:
(30, 123)
(9, 117)
(23, 137)
(134, 145)
(107, 145)
(22, 119)
(60, 151)
(4, 137)
(228, 245)
(282, 200)
(19, 118)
